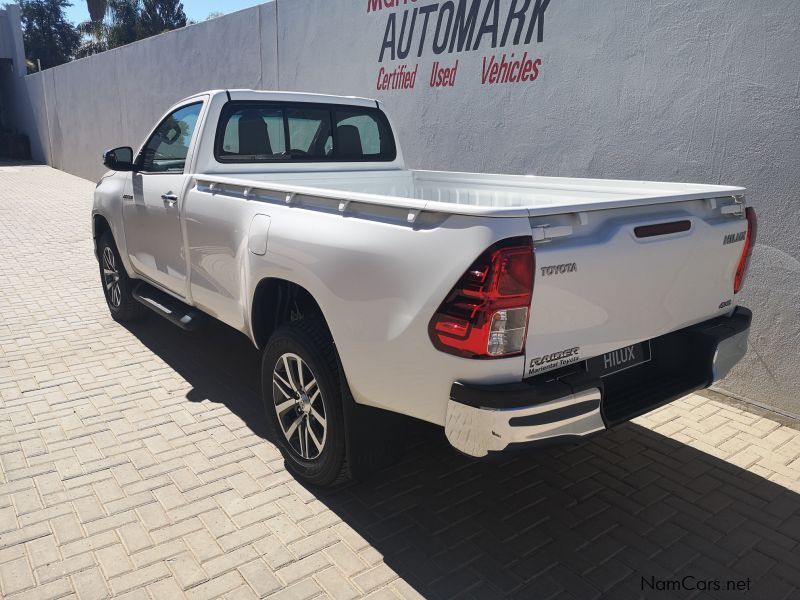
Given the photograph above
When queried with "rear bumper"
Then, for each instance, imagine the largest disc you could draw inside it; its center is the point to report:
(568, 404)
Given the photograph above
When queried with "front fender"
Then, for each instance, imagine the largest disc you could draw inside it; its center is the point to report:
(108, 205)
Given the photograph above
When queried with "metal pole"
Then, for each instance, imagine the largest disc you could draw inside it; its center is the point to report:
(39, 64)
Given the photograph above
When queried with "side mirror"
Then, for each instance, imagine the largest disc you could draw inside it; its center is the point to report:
(119, 159)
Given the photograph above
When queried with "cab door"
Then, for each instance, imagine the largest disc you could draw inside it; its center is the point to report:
(152, 212)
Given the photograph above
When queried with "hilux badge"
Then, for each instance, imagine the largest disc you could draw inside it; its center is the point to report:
(732, 238)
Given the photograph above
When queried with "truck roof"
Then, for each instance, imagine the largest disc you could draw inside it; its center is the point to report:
(281, 96)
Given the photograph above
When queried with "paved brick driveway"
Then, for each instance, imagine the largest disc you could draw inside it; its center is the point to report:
(133, 464)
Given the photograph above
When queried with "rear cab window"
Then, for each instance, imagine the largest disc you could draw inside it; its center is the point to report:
(262, 131)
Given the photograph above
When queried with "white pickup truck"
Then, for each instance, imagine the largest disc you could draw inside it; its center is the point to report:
(510, 310)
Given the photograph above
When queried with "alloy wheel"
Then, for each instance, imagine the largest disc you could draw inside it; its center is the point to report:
(299, 406)
(111, 277)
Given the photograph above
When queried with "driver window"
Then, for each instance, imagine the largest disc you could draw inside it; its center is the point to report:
(166, 150)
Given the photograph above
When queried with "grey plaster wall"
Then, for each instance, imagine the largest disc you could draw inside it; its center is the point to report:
(29, 110)
(701, 90)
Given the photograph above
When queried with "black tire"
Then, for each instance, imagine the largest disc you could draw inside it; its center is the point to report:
(310, 341)
(121, 303)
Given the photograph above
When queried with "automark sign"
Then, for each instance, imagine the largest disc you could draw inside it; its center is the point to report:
(415, 29)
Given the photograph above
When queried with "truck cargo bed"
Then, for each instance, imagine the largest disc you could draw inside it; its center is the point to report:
(474, 193)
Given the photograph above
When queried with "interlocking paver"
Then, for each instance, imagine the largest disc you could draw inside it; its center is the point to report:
(203, 545)
(68, 566)
(60, 588)
(16, 576)
(42, 551)
(230, 560)
(133, 462)
(90, 585)
(216, 587)
(259, 576)
(139, 578)
(187, 571)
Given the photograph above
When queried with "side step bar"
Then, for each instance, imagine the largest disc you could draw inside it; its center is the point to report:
(172, 309)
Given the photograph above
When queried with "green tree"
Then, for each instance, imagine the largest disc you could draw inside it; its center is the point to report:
(158, 16)
(126, 21)
(119, 25)
(94, 38)
(125, 26)
(48, 36)
(97, 9)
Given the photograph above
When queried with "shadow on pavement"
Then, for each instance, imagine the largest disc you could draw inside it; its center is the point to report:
(607, 518)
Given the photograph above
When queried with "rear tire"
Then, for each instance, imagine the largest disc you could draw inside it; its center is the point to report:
(303, 402)
(117, 286)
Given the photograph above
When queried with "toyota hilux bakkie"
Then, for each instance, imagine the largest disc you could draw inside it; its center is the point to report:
(509, 310)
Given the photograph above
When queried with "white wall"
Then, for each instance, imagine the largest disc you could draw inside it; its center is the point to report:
(701, 90)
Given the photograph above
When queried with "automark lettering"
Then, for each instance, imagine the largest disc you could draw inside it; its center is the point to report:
(458, 25)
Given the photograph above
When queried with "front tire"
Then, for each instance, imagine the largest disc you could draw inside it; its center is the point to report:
(117, 286)
(303, 402)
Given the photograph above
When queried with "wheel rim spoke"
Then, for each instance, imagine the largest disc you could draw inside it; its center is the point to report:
(282, 408)
(108, 259)
(311, 384)
(301, 377)
(279, 383)
(285, 383)
(293, 427)
(314, 439)
(289, 372)
(320, 419)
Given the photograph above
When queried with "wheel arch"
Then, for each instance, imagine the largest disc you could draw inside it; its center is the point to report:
(99, 226)
(277, 301)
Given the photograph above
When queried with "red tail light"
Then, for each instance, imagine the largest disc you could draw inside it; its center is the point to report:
(485, 315)
(747, 251)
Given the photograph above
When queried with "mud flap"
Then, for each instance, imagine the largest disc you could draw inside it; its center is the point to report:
(374, 438)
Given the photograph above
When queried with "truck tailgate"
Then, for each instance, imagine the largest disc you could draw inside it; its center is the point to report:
(608, 279)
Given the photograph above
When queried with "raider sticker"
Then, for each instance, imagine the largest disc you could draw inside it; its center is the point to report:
(548, 362)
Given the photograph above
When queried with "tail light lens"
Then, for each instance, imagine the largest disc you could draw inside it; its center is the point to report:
(747, 251)
(485, 315)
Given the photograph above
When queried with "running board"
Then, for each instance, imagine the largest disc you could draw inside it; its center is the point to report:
(172, 309)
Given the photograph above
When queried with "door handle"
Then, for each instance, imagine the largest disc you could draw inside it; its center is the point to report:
(170, 198)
